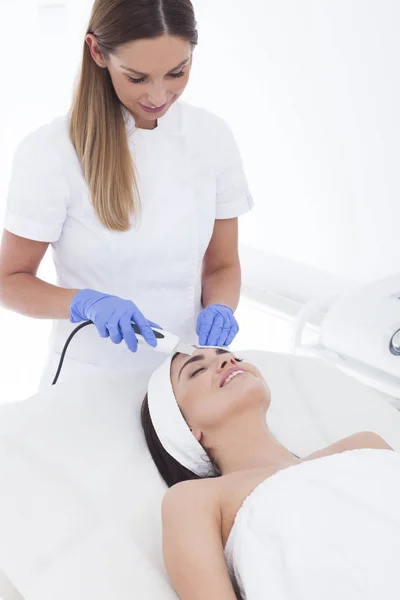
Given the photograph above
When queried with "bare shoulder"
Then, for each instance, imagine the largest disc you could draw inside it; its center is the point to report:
(368, 439)
(356, 441)
(190, 496)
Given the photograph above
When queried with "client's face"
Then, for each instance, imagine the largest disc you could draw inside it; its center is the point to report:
(213, 386)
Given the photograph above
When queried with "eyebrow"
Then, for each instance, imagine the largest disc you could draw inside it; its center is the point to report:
(184, 62)
(198, 357)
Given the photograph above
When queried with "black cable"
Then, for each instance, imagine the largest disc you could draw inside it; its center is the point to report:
(60, 364)
(135, 328)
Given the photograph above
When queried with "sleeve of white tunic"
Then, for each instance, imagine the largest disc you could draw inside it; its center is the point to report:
(37, 199)
(233, 194)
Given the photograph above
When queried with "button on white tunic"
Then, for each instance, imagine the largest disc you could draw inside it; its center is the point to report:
(189, 174)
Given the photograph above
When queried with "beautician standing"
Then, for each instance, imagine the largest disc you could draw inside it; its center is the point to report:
(138, 194)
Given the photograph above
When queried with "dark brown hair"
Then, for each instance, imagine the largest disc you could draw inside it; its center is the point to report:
(169, 468)
(97, 128)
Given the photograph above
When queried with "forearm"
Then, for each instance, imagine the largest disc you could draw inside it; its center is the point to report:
(28, 295)
(222, 287)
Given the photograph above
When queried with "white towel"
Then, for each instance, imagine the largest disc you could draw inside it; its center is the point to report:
(322, 530)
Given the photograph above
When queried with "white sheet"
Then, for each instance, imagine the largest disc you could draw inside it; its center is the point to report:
(328, 528)
(80, 497)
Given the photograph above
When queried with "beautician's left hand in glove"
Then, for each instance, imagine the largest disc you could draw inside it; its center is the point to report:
(216, 326)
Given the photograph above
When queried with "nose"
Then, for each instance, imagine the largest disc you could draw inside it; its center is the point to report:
(158, 95)
(225, 361)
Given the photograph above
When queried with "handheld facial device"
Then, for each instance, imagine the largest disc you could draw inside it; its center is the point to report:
(168, 343)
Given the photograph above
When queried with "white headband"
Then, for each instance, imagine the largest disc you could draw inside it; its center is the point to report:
(171, 428)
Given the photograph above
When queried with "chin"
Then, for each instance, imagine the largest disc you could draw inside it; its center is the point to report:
(257, 384)
(250, 388)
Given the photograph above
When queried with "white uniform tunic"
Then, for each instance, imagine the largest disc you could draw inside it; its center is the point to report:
(189, 174)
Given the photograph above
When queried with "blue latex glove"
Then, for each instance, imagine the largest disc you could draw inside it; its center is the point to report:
(216, 326)
(112, 317)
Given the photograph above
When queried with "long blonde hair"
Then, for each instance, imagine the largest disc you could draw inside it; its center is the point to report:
(97, 126)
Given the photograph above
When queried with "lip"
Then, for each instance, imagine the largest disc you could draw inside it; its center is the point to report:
(154, 111)
(228, 372)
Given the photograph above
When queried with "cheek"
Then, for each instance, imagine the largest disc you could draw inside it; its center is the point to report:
(125, 89)
(198, 403)
(120, 85)
(208, 412)
(129, 91)
(177, 86)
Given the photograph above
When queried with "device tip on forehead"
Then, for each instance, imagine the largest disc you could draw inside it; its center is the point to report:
(188, 349)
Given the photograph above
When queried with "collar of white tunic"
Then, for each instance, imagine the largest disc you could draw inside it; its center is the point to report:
(169, 122)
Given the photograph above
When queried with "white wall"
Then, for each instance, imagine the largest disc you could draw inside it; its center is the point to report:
(40, 45)
(312, 89)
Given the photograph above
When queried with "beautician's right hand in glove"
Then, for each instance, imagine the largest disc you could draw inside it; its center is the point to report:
(112, 317)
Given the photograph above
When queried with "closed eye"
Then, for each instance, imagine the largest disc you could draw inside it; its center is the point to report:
(197, 371)
(143, 79)
(140, 80)
(177, 75)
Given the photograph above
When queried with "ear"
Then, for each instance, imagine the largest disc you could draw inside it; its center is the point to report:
(95, 51)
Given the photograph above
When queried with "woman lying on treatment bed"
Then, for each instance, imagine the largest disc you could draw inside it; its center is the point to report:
(253, 520)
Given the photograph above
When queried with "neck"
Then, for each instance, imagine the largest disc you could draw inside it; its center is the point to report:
(258, 449)
(142, 124)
